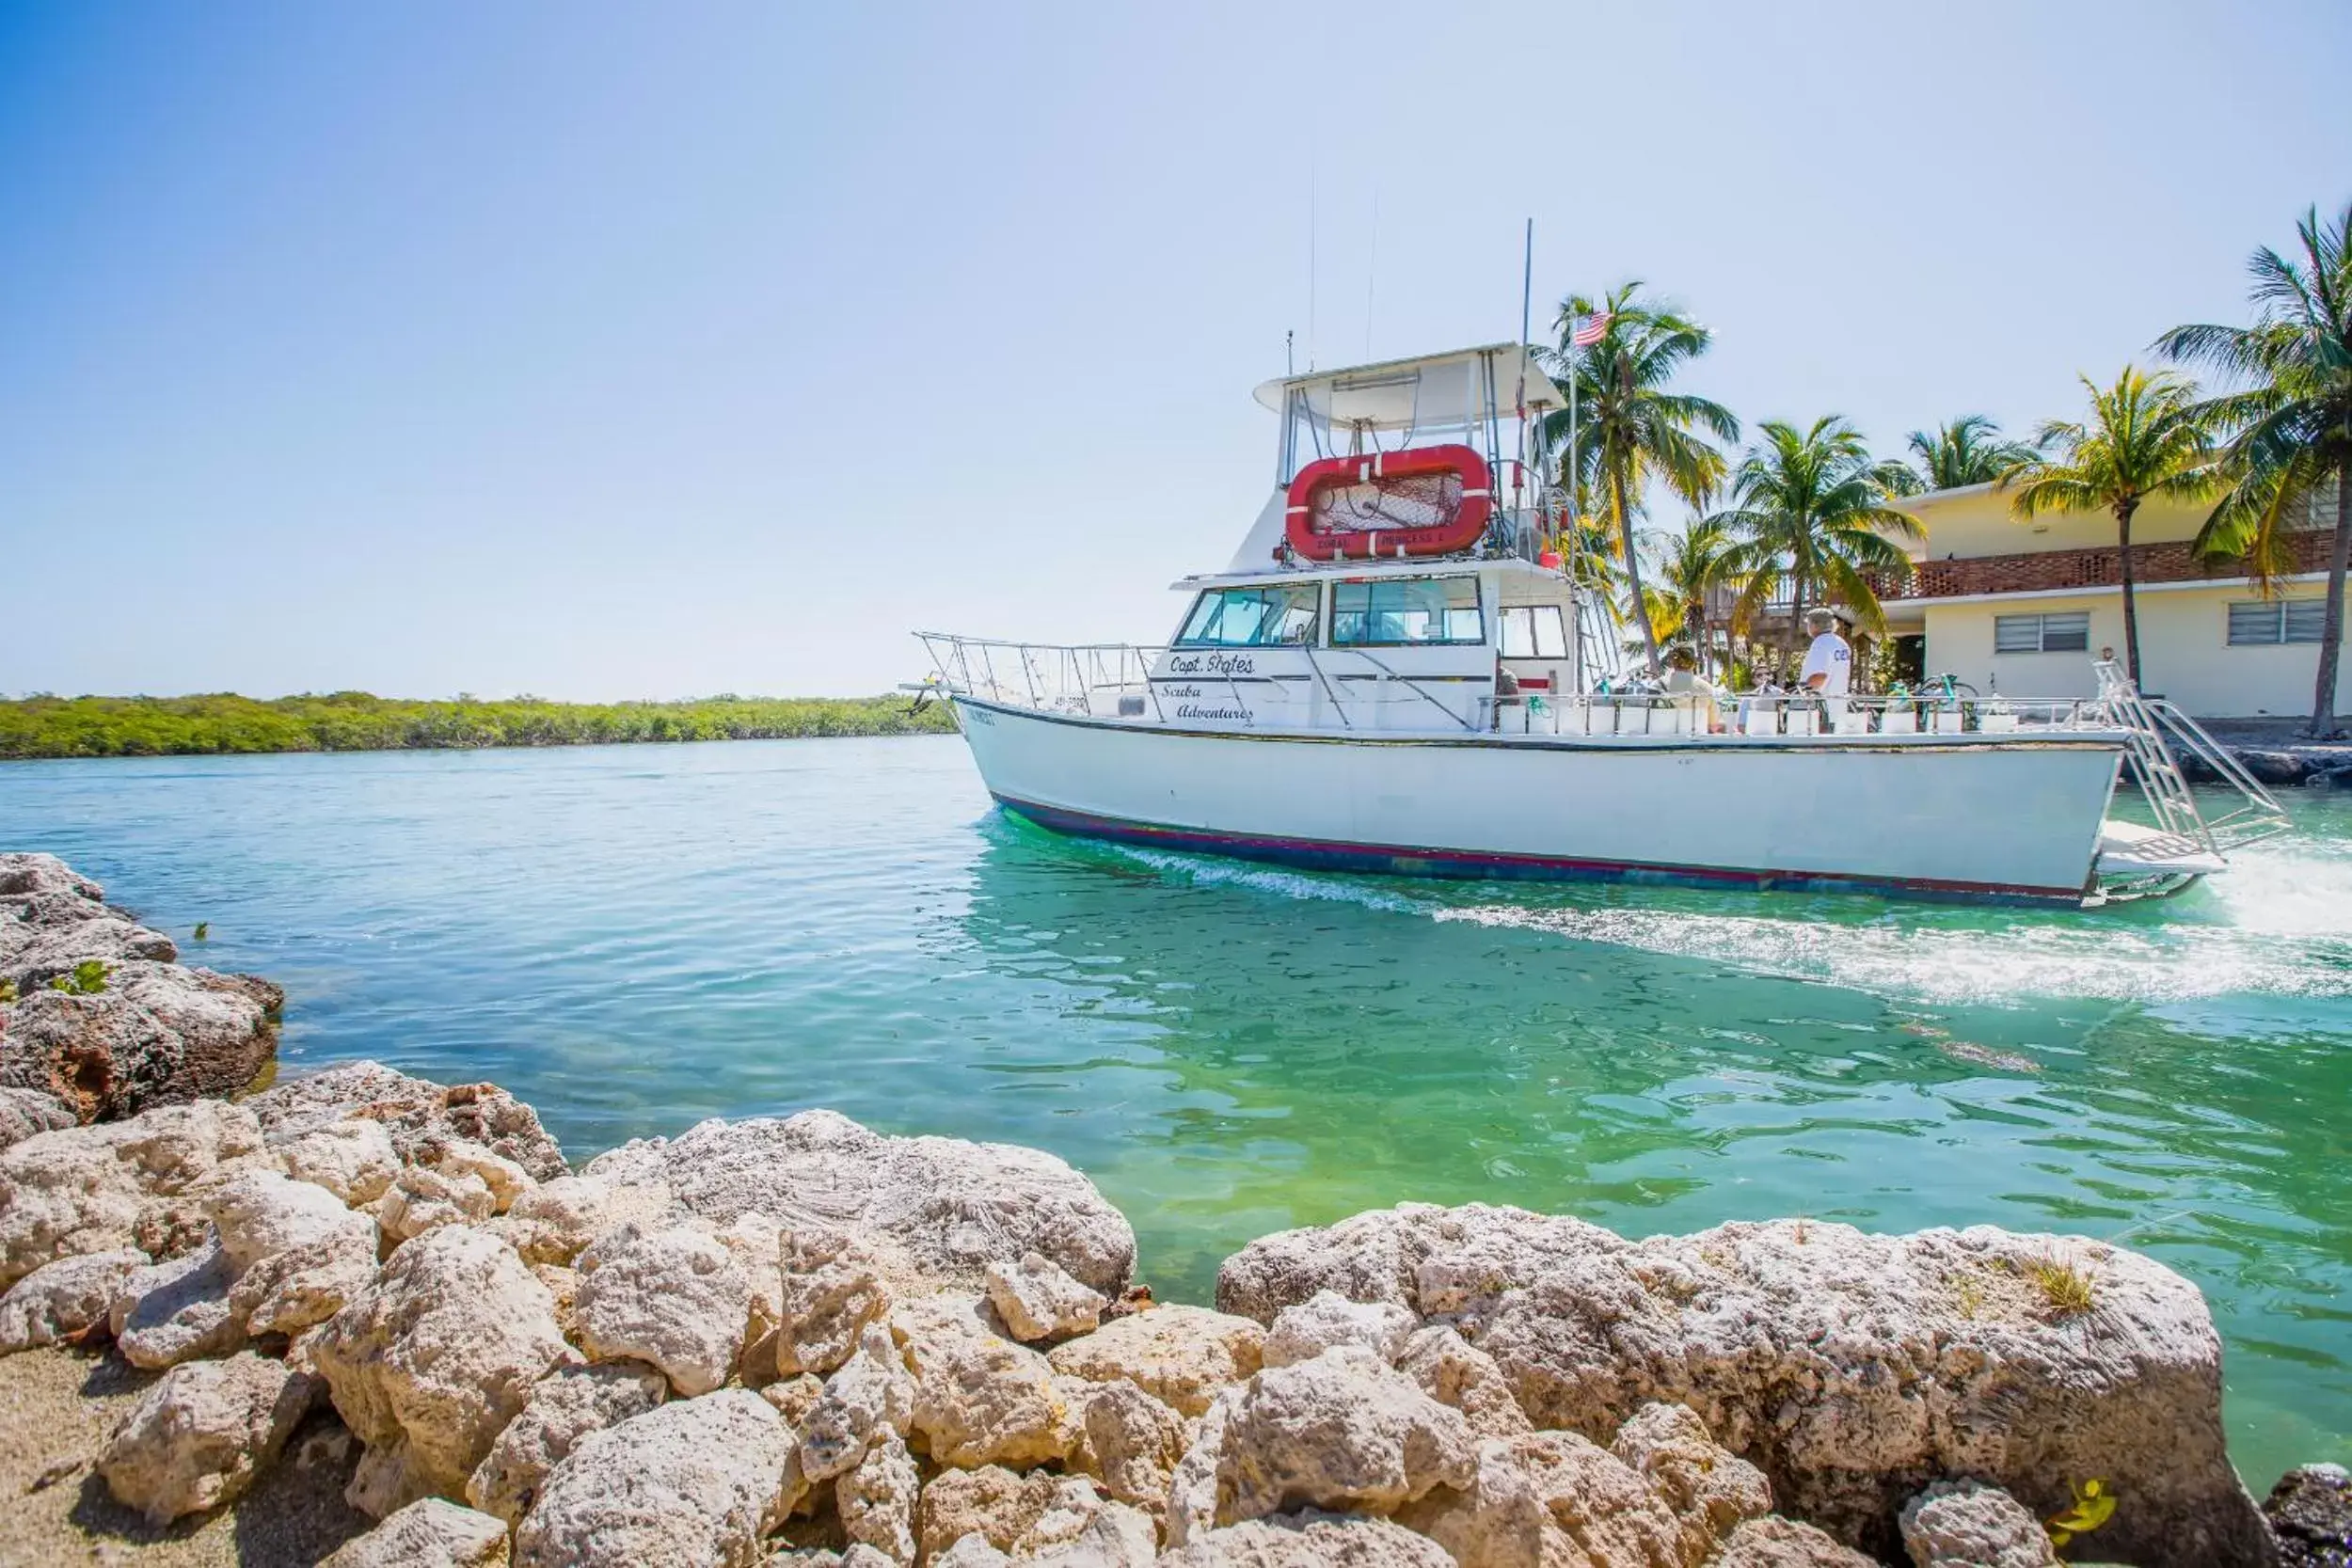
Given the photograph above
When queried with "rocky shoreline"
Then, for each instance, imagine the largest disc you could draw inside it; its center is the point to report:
(2278, 752)
(802, 1341)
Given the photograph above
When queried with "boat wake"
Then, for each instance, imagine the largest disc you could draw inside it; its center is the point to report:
(2279, 924)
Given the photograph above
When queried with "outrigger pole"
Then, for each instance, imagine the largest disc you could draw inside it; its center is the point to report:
(1527, 305)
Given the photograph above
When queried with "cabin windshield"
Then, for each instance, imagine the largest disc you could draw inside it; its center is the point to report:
(1251, 617)
(1387, 613)
(1533, 631)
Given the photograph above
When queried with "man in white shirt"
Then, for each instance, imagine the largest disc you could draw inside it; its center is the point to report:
(1829, 662)
(1828, 666)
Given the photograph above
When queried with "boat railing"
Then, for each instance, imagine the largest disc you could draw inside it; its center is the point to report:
(1760, 714)
(1097, 680)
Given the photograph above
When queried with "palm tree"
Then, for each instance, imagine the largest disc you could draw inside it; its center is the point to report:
(1631, 430)
(1808, 505)
(2147, 438)
(1690, 567)
(2294, 424)
(1967, 451)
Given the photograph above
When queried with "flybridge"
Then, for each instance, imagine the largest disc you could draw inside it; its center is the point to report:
(1434, 455)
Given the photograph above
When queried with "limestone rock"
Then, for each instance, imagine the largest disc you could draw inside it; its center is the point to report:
(1309, 1539)
(1965, 1524)
(1077, 1527)
(58, 950)
(1773, 1542)
(1196, 1491)
(979, 1399)
(990, 1502)
(872, 1394)
(157, 1034)
(1343, 1430)
(177, 1310)
(1132, 1444)
(1452, 1372)
(675, 1298)
(432, 1360)
(31, 872)
(129, 1183)
(2311, 1511)
(302, 1286)
(876, 1501)
(554, 1221)
(954, 1207)
(1181, 1355)
(354, 1160)
(794, 1397)
(505, 1179)
(1326, 1319)
(691, 1485)
(973, 1551)
(420, 1117)
(61, 1299)
(1551, 1497)
(1709, 1492)
(428, 1533)
(564, 1407)
(1852, 1369)
(1037, 1301)
(259, 1214)
(198, 1437)
(422, 1198)
(829, 1290)
(26, 1112)
(753, 1241)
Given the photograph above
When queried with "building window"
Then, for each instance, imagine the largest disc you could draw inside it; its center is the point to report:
(1386, 612)
(2067, 633)
(1251, 617)
(2256, 622)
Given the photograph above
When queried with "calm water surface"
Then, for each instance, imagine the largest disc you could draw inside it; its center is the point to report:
(635, 938)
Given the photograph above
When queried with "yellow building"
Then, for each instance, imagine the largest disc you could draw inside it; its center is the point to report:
(2027, 607)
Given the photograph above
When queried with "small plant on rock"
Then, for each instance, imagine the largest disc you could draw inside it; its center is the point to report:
(2093, 1504)
(7, 993)
(87, 979)
(2064, 1287)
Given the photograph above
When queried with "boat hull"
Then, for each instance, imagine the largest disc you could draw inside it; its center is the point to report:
(2001, 819)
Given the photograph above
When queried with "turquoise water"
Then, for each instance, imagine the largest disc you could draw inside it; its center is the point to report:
(632, 938)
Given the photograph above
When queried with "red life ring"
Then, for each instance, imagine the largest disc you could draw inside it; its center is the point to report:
(1454, 486)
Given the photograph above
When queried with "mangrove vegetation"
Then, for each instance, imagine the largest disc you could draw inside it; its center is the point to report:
(45, 726)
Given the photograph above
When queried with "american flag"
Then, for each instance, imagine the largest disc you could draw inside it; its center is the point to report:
(1596, 327)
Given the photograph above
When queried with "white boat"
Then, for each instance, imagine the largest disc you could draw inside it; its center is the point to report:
(1393, 676)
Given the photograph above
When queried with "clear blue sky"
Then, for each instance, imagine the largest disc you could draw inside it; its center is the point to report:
(659, 350)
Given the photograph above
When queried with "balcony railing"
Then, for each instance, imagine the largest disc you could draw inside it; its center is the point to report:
(2056, 571)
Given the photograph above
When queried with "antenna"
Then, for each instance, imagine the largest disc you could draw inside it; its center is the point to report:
(1527, 299)
(1372, 271)
(1311, 263)
(1290, 361)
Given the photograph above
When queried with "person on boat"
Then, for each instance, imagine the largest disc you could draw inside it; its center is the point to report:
(1828, 666)
(1693, 692)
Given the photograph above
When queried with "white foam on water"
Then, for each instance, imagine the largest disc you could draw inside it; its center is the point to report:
(2278, 923)
(1214, 871)
(2034, 957)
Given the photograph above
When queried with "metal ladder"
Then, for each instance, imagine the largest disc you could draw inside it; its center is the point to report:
(2146, 723)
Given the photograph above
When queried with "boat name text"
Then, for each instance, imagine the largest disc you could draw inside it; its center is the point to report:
(1212, 664)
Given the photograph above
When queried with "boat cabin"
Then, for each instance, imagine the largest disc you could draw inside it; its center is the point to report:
(1412, 644)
